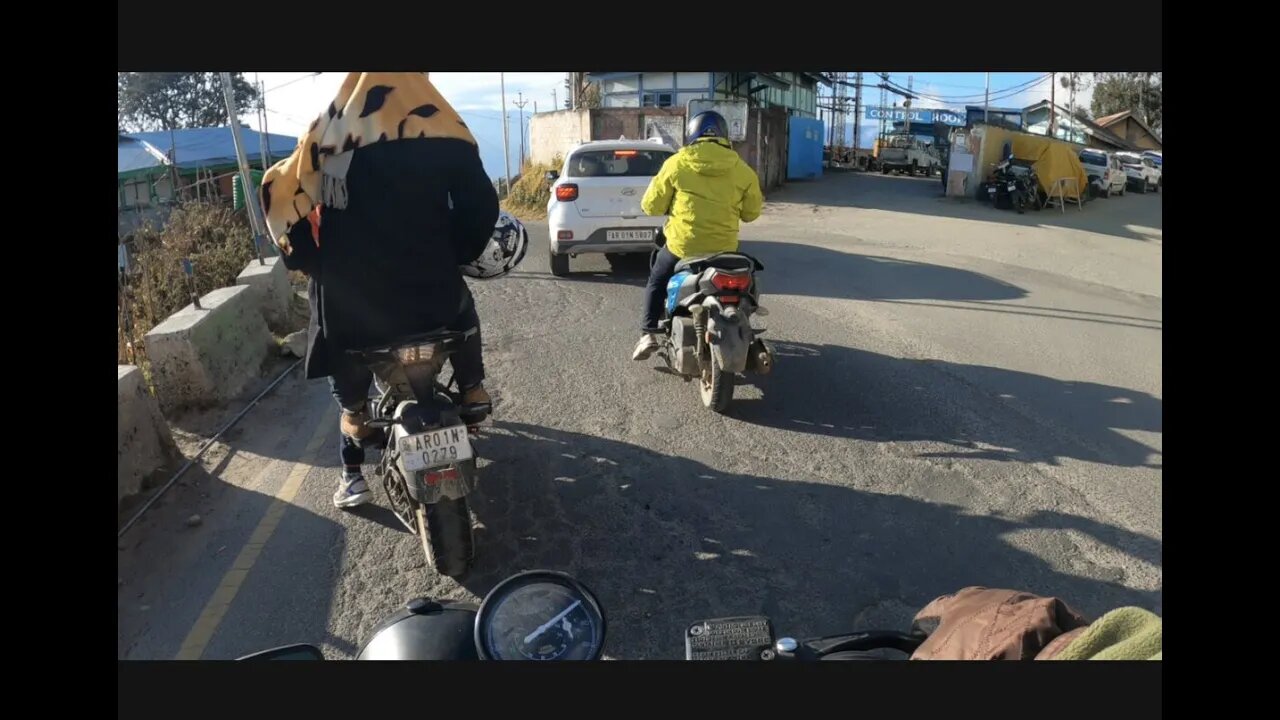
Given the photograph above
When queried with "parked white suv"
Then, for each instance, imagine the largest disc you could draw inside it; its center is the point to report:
(1105, 172)
(595, 200)
(1141, 170)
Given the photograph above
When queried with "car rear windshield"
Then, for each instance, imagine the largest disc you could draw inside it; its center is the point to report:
(1130, 160)
(1093, 158)
(617, 163)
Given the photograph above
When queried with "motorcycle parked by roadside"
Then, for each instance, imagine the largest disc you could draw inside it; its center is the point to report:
(1015, 185)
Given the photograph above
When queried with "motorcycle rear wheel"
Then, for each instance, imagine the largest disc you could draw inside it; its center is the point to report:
(447, 538)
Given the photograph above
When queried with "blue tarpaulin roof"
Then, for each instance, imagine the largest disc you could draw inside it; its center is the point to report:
(135, 155)
(195, 148)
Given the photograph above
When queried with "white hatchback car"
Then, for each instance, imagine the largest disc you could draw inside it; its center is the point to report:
(595, 200)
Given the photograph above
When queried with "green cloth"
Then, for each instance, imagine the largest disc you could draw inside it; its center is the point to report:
(1128, 633)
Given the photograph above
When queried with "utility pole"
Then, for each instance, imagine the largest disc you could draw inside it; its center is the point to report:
(1053, 87)
(520, 104)
(907, 117)
(506, 131)
(1071, 111)
(264, 147)
(555, 100)
(255, 209)
(857, 116)
(986, 104)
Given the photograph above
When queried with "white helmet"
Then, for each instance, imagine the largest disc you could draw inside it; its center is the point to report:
(504, 252)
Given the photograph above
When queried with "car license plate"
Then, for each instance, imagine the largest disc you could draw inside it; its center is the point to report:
(629, 235)
(435, 448)
(1012, 187)
(991, 190)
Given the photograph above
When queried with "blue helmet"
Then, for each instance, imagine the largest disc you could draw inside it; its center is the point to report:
(705, 125)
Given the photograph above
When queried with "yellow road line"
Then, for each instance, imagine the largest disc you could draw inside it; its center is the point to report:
(202, 632)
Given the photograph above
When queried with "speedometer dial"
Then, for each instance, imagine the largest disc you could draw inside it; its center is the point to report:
(540, 615)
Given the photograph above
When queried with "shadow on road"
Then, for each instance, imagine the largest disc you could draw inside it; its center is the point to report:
(630, 269)
(850, 393)
(665, 541)
(170, 571)
(1134, 216)
(813, 271)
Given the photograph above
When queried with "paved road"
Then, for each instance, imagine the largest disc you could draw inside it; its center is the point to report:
(964, 396)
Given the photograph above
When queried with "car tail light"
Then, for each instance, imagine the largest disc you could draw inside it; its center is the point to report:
(567, 192)
(564, 235)
(725, 281)
(624, 153)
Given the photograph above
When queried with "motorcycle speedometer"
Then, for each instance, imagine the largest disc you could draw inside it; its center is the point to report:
(540, 615)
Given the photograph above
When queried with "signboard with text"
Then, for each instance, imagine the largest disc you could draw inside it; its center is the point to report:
(927, 116)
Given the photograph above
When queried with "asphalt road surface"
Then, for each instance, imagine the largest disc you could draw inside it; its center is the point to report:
(964, 396)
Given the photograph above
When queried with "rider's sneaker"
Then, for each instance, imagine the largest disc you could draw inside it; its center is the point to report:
(352, 491)
(648, 344)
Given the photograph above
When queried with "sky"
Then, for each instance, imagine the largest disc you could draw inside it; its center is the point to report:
(293, 99)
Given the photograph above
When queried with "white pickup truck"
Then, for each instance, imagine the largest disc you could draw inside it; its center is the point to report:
(903, 154)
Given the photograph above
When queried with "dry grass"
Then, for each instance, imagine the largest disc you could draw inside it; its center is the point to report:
(217, 241)
(528, 198)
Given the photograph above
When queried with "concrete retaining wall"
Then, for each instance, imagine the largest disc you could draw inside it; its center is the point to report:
(269, 283)
(200, 356)
(145, 444)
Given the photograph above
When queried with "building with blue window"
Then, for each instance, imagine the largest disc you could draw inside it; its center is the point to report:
(795, 91)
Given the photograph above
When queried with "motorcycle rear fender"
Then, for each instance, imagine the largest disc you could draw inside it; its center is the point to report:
(429, 493)
(729, 330)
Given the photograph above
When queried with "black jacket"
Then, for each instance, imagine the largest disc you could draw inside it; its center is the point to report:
(387, 264)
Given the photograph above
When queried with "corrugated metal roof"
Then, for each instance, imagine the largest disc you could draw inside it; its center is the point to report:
(201, 147)
(1112, 119)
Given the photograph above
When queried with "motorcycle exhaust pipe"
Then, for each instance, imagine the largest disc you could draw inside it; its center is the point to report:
(761, 358)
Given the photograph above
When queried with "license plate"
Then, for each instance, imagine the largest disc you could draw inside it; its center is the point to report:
(1012, 188)
(629, 235)
(435, 448)
(991, 191)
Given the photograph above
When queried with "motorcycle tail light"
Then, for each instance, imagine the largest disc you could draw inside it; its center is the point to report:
(725, 281)
(435, 477)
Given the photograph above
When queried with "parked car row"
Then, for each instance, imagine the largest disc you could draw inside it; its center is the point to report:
(1115, 173)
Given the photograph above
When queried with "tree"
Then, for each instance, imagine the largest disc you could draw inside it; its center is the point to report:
(590, 96)
(1074, 82)
(1140, 93)
(168, 101)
